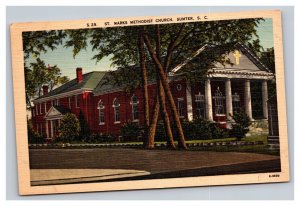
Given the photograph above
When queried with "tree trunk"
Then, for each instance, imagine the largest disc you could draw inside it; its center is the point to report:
(145, 88)
(168, 92)
(162, 98)
(152, 127)
(164, 114)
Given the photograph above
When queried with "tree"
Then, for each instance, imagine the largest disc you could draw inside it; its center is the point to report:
(69, 127)
(37, 42)
(36, 73)
(241, 125)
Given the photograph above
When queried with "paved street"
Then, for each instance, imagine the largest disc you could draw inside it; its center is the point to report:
(147, 163)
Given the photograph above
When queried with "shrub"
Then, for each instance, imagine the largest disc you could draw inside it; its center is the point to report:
(131, 131)
(160, 134)
(84, 128)
(98, 138)
(69, 128)
(34, 137)
(198, 129)
(218, 132)
(241, 125)
(202, 129)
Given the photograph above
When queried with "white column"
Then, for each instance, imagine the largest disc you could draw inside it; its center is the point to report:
(51, 125)
(248, 105)
(47, 132)
(264, 87)
(228, 93)
(189, 102)
(208, 101)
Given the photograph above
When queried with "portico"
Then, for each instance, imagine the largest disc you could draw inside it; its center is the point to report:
(53, 121)
(215, 106)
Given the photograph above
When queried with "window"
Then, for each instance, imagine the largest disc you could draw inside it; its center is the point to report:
(101, 113)
(36, 109)
(116, 107)
(33, 112)
(236, 103)
(40, 108)
(45, 107)
(181, 107)
(77, 101)
(200, 105)
(135, 108)
(219, 102)
(55, 102)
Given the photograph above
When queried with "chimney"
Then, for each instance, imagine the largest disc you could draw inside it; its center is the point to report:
(79, 74)
(45, 89)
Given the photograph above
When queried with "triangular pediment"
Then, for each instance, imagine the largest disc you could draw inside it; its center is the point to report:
(53, 112)
(240, 61)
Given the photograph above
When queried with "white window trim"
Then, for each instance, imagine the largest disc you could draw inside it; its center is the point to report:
(116, 122)
(132, 105)
(99, 108)
(178, 100)
(200, 100)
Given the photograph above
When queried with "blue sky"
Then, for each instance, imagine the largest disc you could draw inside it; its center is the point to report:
(63, 57)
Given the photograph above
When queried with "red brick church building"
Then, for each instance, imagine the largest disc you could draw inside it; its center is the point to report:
(105, 107)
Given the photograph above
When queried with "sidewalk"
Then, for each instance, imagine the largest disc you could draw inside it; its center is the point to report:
(67, 176)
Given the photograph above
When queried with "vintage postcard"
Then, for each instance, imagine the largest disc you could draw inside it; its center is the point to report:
(149, 102)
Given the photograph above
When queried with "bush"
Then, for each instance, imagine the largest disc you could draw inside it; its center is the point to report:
(69, 128)
(160, 134)
(198, 129)
(241, 125)
(34, 137)
(98, 138)
(131, 131)
(218, 132)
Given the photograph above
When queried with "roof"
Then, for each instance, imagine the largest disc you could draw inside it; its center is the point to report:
(109, 83)
(250, 63)
(89, 81)
(61, 109)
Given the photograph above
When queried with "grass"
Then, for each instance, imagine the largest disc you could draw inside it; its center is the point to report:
(262, 137)
(261, 149)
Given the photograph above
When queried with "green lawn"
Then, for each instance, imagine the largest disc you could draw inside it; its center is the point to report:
(262, 149)
(246, 139)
